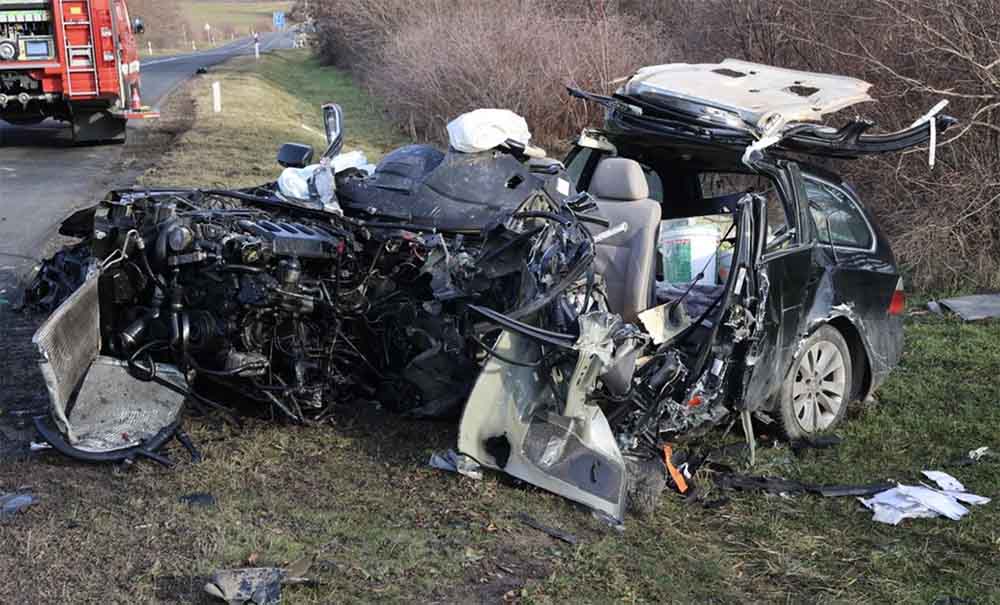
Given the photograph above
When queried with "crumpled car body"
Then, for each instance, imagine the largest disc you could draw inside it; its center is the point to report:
(525, 296)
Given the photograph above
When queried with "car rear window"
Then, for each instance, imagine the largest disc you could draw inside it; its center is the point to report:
(839, 221)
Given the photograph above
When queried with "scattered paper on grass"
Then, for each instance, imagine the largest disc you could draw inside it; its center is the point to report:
(944, 481)
(917, 501)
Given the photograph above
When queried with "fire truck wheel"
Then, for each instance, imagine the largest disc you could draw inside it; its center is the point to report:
(25, 121)
(97, 126)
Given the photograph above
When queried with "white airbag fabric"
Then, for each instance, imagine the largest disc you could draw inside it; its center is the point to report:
(484, 129)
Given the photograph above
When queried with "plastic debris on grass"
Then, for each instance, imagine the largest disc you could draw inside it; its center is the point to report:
(454, 462)
(11, 504)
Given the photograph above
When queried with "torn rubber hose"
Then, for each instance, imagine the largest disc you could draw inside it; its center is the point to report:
(553, 338)
(146, 449)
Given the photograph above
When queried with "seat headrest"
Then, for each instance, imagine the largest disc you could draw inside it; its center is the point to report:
(619, 179)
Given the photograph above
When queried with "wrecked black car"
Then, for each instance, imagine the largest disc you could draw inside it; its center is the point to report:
(678, 270)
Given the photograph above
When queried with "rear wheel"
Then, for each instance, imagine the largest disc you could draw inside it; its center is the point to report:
(97, 126)
(817, 390)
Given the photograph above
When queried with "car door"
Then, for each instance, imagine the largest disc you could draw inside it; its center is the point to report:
(787, 276)
(861, 276)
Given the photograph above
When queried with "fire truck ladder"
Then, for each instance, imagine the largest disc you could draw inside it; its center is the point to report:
(78, 39)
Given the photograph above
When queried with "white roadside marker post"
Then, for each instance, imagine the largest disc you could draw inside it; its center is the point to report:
(149, 45)
(217, 97)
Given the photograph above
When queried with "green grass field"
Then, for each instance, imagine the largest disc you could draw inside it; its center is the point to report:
(359, 495)
(241, 15)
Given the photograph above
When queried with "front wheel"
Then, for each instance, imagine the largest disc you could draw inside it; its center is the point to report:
(817, 390)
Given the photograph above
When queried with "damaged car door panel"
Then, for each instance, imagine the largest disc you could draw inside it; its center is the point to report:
(529, 299)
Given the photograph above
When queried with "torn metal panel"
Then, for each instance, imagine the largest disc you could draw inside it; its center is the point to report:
(665, 322)
(970, 308)
(514, 423)
(68, 342)
(96, 402)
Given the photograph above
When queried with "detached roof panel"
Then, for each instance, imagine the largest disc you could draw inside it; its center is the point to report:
(762, 97)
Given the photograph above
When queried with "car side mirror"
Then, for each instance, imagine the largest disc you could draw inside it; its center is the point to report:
(333, 122)
(295, 155)
(138, 26)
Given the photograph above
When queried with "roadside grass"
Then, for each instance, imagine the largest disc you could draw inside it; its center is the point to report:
(359, 496)
(222, 14)
(265, 104)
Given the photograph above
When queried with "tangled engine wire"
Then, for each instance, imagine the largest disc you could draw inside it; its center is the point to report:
(299, 309)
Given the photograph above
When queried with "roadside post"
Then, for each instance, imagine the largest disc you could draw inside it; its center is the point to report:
(217, 97)
(149, 45)
(256, 46)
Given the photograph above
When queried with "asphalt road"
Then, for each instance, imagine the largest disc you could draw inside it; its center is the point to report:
(43, 177)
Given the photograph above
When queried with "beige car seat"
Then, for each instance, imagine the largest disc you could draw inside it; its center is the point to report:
(626, 261)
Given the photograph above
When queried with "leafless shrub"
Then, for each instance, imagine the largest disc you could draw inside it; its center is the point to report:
(350, 32)
(432, 60)
(944, 224)
(429, 60)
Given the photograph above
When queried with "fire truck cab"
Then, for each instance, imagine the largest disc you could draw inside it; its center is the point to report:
(72, 60)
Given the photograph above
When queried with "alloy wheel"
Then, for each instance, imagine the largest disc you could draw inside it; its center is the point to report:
(820, 387)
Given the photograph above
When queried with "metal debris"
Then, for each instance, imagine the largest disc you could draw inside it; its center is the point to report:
(552, 531)
(256, 585)
(201, 499)
(970, 308)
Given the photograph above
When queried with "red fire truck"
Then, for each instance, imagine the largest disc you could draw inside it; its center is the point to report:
(72, 60)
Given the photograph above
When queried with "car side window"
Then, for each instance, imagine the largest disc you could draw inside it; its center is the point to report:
(577, 164)
(654, 182)
(720, 184)
(839, 221)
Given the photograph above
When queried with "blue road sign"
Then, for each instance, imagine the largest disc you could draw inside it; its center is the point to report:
(279, 20)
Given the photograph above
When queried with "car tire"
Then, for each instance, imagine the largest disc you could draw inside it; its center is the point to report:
(817, 390)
